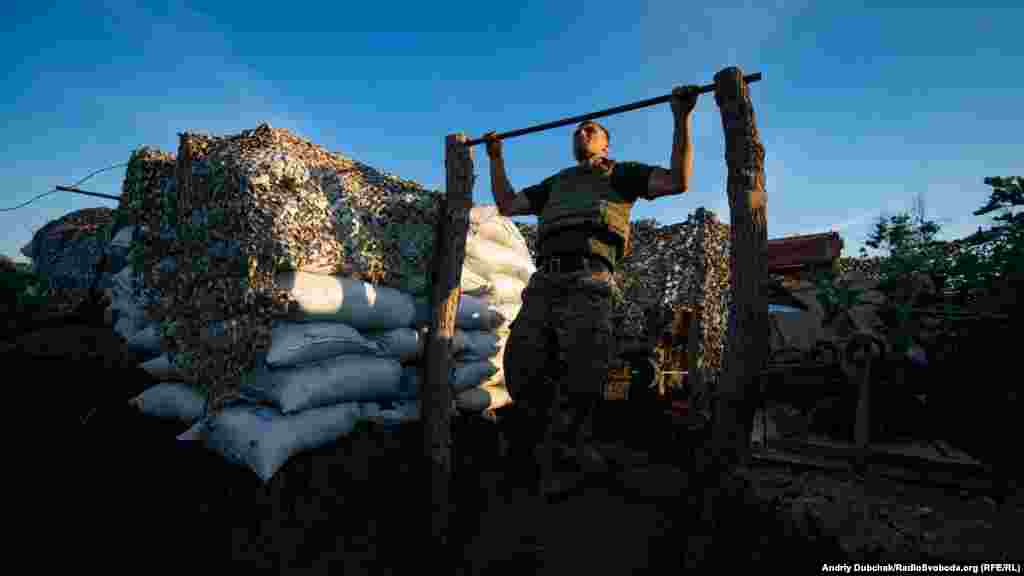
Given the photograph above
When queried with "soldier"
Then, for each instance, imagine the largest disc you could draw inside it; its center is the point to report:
(562, 335)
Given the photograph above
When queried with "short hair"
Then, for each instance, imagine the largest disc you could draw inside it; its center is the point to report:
(607, 136)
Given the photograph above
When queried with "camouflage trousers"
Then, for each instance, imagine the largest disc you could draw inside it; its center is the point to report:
(559, 348)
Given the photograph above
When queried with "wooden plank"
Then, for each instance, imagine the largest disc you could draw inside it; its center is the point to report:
(436, 393)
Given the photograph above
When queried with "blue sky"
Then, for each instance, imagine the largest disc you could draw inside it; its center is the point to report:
(863, 106)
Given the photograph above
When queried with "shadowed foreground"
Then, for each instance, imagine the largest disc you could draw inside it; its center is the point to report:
(120, 486)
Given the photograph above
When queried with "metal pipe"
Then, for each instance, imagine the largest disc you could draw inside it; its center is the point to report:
(77, 191)
(599, 114)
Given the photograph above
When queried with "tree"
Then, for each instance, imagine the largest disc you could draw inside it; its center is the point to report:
(1000, 249)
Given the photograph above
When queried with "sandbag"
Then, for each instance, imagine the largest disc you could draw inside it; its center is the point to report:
(294, 343)
(123, 283)
(161, 368)
(483, 398)
(409, 344)
(171, 401)
(361, 305)
(478, 345)
(262, 438)
(481, 213)
(146, 340)
(128, 308)
(408, 388)
(508, 311)
(488, 258)
(404, 344)
(464, 375)
(471, 374)
(398, 413)
(496, 228)
(474, 284)
(472, 314)
(507, 290)
(127, 325)
(347, 378)
(123, 239)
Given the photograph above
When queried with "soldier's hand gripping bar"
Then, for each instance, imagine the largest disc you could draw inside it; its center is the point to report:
(617, 110)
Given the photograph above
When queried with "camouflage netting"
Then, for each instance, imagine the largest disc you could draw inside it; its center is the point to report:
(664, 268)
(220, 220)
(67, 253)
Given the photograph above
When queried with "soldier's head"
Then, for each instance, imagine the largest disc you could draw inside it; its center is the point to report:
(589, 140)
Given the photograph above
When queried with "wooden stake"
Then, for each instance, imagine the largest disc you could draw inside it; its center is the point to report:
(436, 393)
(860, 353)
(748, 341)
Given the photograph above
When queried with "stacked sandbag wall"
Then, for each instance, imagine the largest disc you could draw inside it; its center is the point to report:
(291, 302)
(242, 209)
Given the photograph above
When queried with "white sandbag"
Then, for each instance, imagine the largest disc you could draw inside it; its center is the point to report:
(408, 388)
(171, 401)
(483, 398)
(481, 213)
(398, 413)
(488, 258)
(123, 238)
(474, 284)
(408, 345)
(509, 311)
(471, 374)
(464, 375)
(123, 281)
(472, 314)
(146, 340)
(294, 343)
(404, 344)
(131, 317)
(361, 305)
(499, 229)
(335, 380)
(263, 439)
(507, 289)
(126, 326)
(479, 345)
(161, 368)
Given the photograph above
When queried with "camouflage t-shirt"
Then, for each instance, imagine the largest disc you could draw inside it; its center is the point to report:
(630, 179)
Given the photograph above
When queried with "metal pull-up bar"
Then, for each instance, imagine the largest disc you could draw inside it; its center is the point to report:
(618, 109)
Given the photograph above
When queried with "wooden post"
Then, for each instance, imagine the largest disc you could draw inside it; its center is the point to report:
(860, 353)
(436, 393)
(748, 341)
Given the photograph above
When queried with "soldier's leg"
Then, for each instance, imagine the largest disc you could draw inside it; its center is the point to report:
(525, 365)
(585, 341)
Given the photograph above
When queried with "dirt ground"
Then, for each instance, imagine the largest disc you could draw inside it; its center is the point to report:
(120, 486)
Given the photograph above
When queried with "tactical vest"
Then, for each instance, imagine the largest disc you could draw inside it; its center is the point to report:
(582, 199)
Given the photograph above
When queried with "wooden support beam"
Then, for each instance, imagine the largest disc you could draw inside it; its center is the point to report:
(748, 342)
(436, 393)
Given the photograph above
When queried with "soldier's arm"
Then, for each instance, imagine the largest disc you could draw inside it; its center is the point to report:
(665, 183)
(516, 205)
(509, 203)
